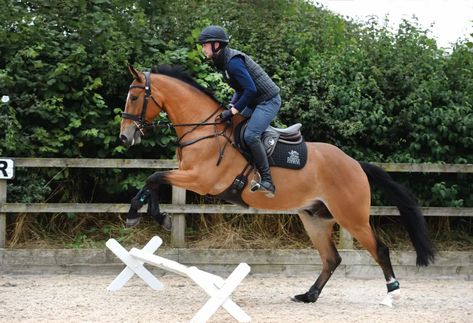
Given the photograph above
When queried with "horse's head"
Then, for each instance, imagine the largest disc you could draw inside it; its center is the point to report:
(140, 111)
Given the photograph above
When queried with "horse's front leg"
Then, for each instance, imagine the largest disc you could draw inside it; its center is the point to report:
(149, 195)
(162, 218)
(140, 199)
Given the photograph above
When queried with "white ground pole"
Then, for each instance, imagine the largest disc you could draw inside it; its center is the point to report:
(215, 286)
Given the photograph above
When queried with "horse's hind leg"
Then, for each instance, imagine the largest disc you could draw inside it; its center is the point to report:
(380, 253)
(319, 226)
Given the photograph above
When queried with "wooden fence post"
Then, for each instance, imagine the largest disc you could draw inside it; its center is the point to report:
(178, 233)
(3, 216)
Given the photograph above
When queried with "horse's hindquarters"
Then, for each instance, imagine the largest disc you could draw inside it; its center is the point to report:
(329, 176)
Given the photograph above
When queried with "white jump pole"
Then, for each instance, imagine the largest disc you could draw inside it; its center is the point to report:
(215, 286)
(133, 266)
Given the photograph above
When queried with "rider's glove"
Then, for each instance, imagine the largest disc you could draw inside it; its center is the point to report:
(226, 115)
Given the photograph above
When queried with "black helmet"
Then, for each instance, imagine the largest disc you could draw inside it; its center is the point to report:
(212, 34)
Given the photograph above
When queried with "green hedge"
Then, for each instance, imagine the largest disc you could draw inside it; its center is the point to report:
(379, 95)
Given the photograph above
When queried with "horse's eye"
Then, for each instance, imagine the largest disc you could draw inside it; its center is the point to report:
(133, 98)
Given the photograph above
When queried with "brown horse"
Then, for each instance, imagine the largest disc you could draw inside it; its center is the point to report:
(331, 188)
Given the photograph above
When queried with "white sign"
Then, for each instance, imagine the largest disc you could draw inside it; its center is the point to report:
(7, 169)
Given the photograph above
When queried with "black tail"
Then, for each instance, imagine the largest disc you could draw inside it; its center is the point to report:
(411, 216)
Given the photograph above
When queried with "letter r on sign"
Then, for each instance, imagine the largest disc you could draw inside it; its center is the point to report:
(7, 169)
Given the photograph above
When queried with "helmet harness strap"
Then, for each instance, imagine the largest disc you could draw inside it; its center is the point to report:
(214, 48)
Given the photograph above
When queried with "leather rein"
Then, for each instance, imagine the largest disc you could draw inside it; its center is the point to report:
(142, 124)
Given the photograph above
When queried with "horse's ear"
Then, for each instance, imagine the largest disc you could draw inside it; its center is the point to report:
(134, 72)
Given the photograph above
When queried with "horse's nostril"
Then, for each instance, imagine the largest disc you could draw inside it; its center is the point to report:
(123, 138)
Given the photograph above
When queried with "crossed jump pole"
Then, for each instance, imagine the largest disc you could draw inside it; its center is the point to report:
(215, 286)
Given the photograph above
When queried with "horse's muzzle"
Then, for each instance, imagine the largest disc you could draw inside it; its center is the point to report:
(124, 139)
(130, 136)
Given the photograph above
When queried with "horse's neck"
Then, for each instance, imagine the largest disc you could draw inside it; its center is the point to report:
(184, 104)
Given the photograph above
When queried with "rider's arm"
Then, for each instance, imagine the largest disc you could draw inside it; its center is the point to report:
(235, 97)
(238, 72)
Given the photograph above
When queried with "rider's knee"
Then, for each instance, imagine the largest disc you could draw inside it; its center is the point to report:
(251, 138)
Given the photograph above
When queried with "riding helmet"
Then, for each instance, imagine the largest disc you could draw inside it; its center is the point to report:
(213, 34)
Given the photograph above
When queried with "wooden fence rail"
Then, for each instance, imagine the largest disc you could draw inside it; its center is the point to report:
(179, 208)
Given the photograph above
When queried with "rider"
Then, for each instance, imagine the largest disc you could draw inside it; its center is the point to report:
(256, 95)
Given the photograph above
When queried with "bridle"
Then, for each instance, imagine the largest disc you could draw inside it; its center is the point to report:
(140, 120)
(142, 124)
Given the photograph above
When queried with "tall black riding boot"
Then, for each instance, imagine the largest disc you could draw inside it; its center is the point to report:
(261, 162)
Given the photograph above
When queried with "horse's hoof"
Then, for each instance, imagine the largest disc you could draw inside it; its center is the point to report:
(304, 298)
(131, 223)
(391, 298)
(167, 222)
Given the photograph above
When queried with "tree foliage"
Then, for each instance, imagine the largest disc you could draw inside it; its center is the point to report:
(377, 94)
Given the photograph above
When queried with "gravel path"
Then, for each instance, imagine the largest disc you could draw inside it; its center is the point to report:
(82, 298)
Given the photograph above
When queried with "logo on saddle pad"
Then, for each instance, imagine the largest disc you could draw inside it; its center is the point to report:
(293, 158)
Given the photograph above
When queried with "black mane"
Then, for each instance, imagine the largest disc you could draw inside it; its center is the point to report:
(184, 75)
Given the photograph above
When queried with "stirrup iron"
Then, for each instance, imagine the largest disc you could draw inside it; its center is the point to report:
(256, 186)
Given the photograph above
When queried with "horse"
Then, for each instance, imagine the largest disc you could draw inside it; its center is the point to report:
(332, 187)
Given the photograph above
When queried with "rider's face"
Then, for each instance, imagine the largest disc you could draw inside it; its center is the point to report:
(207, 50)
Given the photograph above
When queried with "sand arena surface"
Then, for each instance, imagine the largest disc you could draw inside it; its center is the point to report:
(84, 298)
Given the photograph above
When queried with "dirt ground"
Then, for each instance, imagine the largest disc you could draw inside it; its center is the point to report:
(266, 298)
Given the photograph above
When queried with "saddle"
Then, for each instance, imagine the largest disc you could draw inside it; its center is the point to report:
(284, 147)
